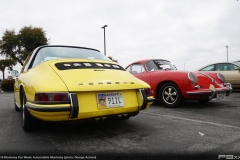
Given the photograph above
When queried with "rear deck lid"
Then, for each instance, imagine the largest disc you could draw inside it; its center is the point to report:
(94, 75)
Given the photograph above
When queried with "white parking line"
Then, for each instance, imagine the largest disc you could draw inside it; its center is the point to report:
(193, 120)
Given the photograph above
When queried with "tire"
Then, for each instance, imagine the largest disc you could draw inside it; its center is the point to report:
(29, 123)
(16, 107)
(170, 95)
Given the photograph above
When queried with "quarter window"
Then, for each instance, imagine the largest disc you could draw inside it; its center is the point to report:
(137, 68)
(27, 63)
(232, 67)
(208, 68)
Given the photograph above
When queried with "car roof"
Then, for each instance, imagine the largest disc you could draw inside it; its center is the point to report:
(66, 46)
(217, 63)
(145, 60)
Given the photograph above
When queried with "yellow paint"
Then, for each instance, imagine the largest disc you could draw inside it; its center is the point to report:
(86, 83)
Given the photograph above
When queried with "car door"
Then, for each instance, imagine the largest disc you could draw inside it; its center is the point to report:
(229, 70)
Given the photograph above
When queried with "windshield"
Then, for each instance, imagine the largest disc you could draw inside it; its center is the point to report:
(159, 65)
(237, 62)
(56, 52)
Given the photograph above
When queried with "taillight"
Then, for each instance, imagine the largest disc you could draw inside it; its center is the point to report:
(51, 97)
(148, 91)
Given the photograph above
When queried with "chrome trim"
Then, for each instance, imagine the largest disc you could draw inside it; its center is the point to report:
(199, 93)
(197, 86)
(213, 94)
(229, 86)
(17, 105)
(50, 102)
(48, 109)
(74, 105)
(70, 97)
(145, 99)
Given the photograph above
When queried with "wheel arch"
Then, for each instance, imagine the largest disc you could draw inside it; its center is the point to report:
(161, 84)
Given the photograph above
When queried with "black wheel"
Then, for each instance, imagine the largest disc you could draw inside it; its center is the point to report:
(16, 108)
(29, 123)
(170, 95)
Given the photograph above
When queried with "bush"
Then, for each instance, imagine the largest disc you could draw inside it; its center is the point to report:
(7, 85)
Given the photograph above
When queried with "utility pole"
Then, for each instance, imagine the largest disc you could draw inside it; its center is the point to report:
(227, 52)
(103, 27)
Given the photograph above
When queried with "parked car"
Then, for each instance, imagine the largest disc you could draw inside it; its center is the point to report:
(231, 71)
(238, 62)
(172, 86)
(61, 83)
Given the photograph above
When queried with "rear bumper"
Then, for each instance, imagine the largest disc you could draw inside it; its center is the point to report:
(72, 111)
(146, 100)
(212, 91)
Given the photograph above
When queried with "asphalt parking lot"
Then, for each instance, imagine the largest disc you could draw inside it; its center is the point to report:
(195, 130)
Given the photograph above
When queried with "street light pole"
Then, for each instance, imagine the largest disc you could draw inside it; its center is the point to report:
(227, 52)
(104, 39)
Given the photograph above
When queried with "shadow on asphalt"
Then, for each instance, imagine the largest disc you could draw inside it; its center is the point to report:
(195, 104)
(105, 127)
(236, 90)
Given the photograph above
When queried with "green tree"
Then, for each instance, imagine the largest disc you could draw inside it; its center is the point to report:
(18, 46)
(6, 64)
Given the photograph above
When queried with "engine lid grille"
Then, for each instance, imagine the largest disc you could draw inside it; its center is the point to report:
(87, 65)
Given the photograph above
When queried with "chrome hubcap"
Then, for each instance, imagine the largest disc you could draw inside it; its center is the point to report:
(169, 95)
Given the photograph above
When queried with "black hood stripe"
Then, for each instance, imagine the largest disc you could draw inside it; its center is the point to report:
(87, 65)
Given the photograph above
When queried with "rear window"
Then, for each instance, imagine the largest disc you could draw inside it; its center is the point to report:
(57, 52)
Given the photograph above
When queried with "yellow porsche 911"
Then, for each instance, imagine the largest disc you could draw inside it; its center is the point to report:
(60, 83)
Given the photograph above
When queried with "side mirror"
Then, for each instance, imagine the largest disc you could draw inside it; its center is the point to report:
(14, 73)
(238, 68)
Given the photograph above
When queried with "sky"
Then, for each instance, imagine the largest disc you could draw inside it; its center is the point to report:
(189, 33)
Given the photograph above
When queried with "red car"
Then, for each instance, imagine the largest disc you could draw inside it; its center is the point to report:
(172, 86)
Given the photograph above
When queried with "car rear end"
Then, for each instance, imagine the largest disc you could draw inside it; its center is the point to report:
(96, 89)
